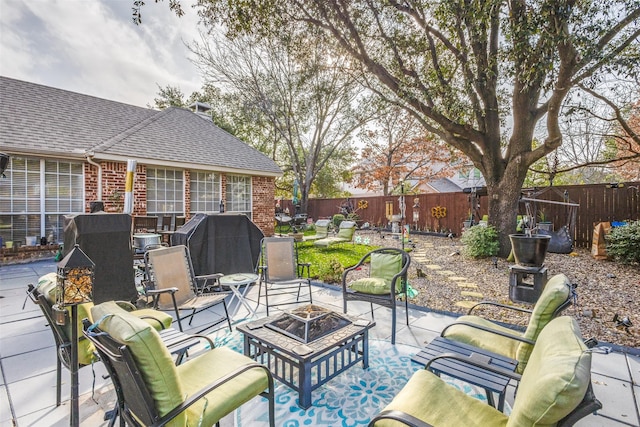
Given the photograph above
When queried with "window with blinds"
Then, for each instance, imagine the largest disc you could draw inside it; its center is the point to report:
(165, 191)
(205, 191)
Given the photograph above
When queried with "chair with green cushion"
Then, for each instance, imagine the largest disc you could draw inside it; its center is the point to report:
(484, 333)
(44, 295)
(346, 231)
(322, 230)
(151, 390)
(555, 390)
(387, 280)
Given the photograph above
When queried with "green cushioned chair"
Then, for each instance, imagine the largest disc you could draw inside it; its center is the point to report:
(151, 390)
(484, 333)
(387, 280)
(322, 230)
(346, 232)
(44, 295)
(555, 390)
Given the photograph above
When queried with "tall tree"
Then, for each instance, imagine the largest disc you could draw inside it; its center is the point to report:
(308, 107)
(481, 75)
(398, 148)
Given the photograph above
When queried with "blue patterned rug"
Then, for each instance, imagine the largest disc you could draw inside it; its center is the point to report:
(351, 399)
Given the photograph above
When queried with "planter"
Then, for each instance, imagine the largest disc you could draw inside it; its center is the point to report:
(529, 250)
(548, 226)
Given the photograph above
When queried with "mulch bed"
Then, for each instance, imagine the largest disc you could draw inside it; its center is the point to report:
(605, 288)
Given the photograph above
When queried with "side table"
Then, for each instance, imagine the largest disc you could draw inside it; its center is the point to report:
(491, 382)
(234, 282)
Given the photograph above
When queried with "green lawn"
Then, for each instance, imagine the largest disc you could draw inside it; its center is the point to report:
(327, 264)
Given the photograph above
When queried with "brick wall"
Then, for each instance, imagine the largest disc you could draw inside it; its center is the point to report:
(113, 186)
(263, 205)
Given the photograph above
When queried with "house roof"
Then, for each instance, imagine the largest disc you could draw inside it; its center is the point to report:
(41, 120)
(444, 185)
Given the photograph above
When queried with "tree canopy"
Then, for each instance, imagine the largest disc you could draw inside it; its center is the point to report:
(486, 76)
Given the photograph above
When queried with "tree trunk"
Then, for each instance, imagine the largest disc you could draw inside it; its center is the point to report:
(504, 196)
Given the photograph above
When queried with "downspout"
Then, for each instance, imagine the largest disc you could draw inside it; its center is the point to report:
(91, 162)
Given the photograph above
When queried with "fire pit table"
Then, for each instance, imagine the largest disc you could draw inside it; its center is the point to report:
(308, 346)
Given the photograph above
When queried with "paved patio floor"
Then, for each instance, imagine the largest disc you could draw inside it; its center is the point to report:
(27, 358)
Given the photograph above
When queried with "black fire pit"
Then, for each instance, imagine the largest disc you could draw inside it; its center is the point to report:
(308, 323)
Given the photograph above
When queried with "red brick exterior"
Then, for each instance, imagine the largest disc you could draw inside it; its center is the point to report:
(113, 189)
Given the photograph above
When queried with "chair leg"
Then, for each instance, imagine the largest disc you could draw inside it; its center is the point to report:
(226, 313)
(372, 317)
(393, 325)
(58, 378)
(406, 308)
(266, 296)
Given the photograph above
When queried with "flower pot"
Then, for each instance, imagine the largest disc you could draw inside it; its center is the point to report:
(529, 250)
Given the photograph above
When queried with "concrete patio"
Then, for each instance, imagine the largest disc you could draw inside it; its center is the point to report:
(27, 358)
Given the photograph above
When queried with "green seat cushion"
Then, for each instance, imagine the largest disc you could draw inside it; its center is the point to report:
(556, 378)
(385, 265)
(555, 292)
(47, 287)
(152, 358)
(207, 368)
(484, 339)
(430, 399)
(328, 241)
(371, 285)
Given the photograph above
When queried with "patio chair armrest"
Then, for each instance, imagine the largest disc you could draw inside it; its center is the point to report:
(204, 391)
(126, 305)
(153, 292)
(155, 319)
(497, 304)
(475, 360)
(209, 276)
(493, 331)
(399, 416)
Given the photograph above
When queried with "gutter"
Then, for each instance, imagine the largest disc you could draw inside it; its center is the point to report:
(91, 162)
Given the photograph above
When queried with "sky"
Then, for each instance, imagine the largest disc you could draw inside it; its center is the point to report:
(94, 48)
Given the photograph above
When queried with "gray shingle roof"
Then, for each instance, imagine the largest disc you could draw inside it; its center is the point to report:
(44, 120)
(444, 185)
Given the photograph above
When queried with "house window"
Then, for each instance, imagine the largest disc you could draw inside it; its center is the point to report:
(165, 192)
(37, 195)
(205, 192)
(238, 198)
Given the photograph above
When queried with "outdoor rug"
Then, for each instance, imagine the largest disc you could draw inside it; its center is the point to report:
(351, 399)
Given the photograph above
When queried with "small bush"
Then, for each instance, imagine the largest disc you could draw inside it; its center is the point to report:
(480, 242)
(337, 219)
(353, 217)
(623, 243)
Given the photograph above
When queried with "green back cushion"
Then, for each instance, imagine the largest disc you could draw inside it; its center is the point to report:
(555, 292)
(322, 227)
(47, 287)
(346, 230)
(556, 378)
(152, 357)
(381, 271)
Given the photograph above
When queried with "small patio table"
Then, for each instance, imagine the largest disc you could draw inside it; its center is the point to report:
(489, 381)
(234, 282)
(306, 366)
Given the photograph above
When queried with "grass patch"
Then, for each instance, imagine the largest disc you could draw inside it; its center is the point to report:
(327, 264)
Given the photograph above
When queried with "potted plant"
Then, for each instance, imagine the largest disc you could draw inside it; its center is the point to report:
(543, 221)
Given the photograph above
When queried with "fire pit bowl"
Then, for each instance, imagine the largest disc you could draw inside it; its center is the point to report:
(308, 323)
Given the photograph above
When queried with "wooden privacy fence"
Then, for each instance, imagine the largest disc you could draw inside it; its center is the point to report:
(445, 212)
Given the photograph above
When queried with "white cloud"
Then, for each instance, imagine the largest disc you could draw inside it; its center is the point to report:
(93, 47)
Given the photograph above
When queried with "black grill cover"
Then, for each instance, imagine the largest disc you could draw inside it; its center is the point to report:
(220, 243)
(106, 239)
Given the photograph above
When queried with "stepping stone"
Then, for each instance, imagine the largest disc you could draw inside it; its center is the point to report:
(458, 279)
(467, 285)
(471, 294)
(445, 272)
(433, 267)
(465, 304)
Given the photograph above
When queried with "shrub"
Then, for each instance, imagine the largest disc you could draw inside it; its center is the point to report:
(480, 241)
(353, 217)
(623, 243)
(337, 219)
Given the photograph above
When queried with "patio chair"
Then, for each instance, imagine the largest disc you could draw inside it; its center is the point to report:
(145, 224)
(43, 294)
(480, 332)
(322, 230)
(554, 390)
(174, 287)
(346, 232)
(279, 272)
(151, 390)
(386, 281)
